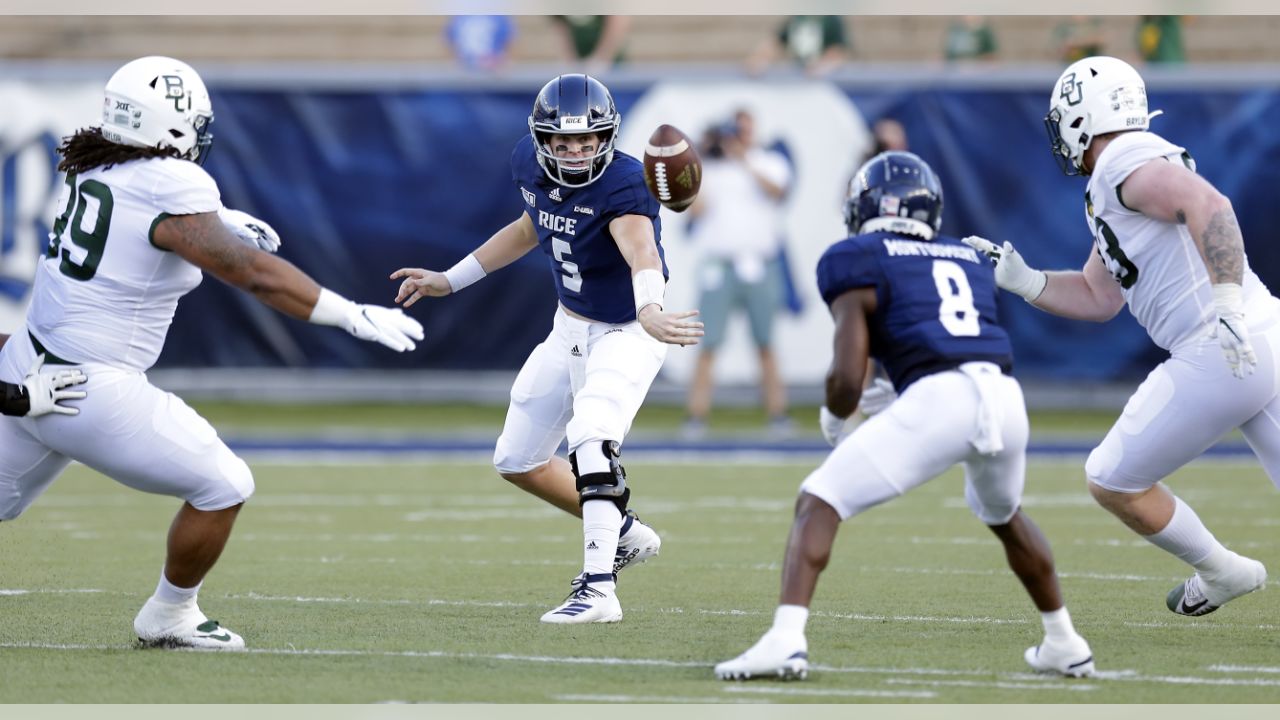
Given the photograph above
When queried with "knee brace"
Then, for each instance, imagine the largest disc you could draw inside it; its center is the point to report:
(611, 485)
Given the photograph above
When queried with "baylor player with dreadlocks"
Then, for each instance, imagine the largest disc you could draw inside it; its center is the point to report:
(140, 221)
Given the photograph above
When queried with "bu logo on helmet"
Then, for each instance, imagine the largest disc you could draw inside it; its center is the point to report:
(1072, 91)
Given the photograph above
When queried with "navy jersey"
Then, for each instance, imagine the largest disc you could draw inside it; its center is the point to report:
(935, 302)
(592, 278)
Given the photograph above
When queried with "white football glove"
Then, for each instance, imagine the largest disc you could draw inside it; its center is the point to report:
(44, 390)
(389, 326)
(1012, 272)
(834, 429)
(1232, 333)
(251, 230)
(877, 396)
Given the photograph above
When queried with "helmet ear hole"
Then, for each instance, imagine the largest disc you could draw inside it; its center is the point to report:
(1077, 123)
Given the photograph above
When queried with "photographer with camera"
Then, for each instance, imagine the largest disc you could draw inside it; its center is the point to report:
(739, 230)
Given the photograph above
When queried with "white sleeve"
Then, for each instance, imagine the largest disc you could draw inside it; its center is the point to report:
(184, 188)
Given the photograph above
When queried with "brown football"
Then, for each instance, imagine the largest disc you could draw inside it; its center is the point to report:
(672, 168)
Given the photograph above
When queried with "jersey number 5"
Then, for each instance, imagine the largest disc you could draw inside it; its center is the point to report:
(572, 278)
(92, 241)
(956, 312)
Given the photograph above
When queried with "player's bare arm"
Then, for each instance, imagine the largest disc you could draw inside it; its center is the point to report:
(504, 247)
(1089, 294)
(851, 350)
(205, 242)
(1172, 193)
(634, 236)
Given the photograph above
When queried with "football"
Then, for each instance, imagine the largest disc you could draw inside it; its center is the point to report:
(672, 168)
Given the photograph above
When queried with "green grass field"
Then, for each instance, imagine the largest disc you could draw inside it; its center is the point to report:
(424, 582)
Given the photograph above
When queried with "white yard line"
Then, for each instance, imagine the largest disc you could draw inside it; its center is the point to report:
(649, 699)
(824, 692)
(1243, 669)
(999, 685)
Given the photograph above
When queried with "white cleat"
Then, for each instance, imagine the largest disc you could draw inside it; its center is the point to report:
(163, 625)
(774, 656)
(637, 542)
(1201, 594)
(587, 603)
(1071, 658)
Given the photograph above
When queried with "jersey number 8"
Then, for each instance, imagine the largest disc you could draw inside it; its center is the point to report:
(956, 312)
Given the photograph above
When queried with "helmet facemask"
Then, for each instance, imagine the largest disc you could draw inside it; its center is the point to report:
(574, 172)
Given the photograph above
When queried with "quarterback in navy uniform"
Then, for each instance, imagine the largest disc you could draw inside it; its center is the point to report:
(923, 306)
(590, 213)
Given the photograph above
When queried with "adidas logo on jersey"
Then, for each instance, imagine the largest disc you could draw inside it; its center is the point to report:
(555, 194)
(575, 352)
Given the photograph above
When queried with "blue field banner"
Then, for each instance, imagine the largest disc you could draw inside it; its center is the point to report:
(360, 183)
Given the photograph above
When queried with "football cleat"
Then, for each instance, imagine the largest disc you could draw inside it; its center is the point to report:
(637, 542)
(1201, 594)
(775, 656)
(587, 603)
(1071, 658)
(164, 625)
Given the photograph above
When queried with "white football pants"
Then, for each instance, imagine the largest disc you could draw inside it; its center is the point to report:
(127, 429)
(1187, 404)
(941, 420)
(587, 380)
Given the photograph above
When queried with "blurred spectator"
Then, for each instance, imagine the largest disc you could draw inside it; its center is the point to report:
(1079, 37)
(480, 42)
(970, 37)
(889, 135)
(816, 42)
(598, 41)
(739, 232)
(1160, 39)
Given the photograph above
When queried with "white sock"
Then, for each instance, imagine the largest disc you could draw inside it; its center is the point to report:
(1187, 539)
(790, 619)
(1057, 624)
(600, 524)
(167, 592)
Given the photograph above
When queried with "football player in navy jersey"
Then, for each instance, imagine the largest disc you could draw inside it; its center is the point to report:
(923, 306)
(590, 213)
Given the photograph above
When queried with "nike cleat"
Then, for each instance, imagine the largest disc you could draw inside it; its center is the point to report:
(1071, 658)
(163, 625)
(587, 603)
(637, 542)
(1201, 594)
(774, 656)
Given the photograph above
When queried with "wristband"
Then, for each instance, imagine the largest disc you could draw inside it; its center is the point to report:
(1227, 299)
(468, 271)
(650, 288)
(331, 309)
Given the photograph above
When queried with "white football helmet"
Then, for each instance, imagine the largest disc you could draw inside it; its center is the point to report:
(1093, 96)
(158, 102)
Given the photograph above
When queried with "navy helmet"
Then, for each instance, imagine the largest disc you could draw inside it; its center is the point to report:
(574, 105)
(896, 192)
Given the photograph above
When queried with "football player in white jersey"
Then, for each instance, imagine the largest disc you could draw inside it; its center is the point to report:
(1166, 243)
(141, 220)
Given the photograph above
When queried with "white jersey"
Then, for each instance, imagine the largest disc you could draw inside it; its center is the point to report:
(105, 293)
(1157, 264)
